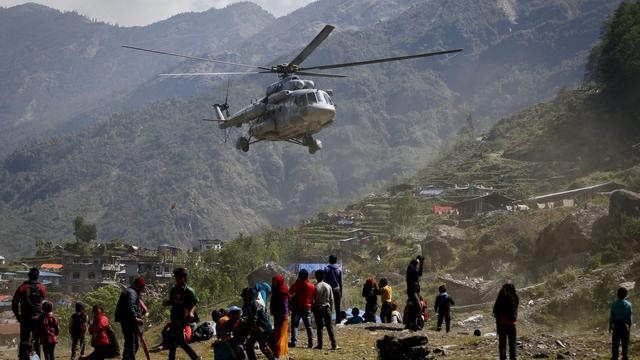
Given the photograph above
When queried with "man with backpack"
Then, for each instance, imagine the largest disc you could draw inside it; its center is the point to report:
(333, 277)
(442, 306)
(183, 301)
(78, 325)
(27, 307)
(129, 315)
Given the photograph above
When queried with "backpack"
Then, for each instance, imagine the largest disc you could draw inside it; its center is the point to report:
(204, 332)
(78, 326)
(32, 300)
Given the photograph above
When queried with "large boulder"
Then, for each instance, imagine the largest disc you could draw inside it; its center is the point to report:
(266, 272)
(623, 203)
(569, 237)
(409, 346)
(438, 250)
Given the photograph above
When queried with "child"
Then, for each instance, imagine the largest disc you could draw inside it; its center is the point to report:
(620, 324)
(442, 306)
(396, 318)
(27, 352)
(385, 298)
(78, 329)
(48, 330)
(355, 319)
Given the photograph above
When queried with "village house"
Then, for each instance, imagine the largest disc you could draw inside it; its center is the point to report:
(81, 273)
(570, 198)
(155, 265)
(444, 210)
(210, 244)
(481, 204)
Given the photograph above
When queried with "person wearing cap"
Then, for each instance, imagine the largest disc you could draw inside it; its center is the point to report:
(182, 300)
(129, 315)
(27, 307)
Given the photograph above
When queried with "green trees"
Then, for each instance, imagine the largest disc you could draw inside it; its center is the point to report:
(614, 64)
(84, 232)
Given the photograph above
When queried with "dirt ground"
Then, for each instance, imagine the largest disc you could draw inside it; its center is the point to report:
(359, 341)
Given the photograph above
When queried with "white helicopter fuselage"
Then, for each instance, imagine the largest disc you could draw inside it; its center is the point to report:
(294, 114)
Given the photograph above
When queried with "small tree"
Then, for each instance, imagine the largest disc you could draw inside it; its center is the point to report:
(83, 231)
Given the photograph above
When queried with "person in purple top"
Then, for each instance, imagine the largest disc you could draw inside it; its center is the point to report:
(333, 277)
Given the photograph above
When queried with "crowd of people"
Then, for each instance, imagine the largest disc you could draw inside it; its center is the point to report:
(240, 329)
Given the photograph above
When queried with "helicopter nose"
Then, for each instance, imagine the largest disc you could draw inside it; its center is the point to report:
(323, 113)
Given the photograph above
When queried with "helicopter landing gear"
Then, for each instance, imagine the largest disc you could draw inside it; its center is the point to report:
(242, 144)
(311, 143)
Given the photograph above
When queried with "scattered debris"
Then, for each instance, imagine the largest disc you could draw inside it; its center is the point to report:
(403, 346)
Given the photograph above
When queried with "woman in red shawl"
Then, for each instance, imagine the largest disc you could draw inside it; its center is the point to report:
(279, 308)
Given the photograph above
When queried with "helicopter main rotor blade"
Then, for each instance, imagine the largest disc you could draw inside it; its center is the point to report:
(312, 45)
(194, 57)
(367, 62)
(212, 73)
(320, 74)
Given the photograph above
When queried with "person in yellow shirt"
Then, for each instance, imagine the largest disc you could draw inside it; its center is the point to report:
(386, 296)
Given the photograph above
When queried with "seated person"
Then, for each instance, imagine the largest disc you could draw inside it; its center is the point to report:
(355, 319)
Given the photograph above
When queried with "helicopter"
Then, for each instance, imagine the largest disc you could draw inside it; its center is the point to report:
(292, 110)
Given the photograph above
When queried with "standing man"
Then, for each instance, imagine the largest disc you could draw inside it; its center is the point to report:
(302, 299)
(322, 302)
(414, 272)
(333, 277)
(129, 315)
(182, 300)
(78, 325)
(27, 307)
(620, 324)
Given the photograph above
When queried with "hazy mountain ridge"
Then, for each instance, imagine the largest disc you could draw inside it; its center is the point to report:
(57, 65)
(391, 119)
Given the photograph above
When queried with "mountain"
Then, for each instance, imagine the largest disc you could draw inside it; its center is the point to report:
(58, 65)
(127, 172)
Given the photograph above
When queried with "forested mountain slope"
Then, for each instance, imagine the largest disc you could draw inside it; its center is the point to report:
(57, 65)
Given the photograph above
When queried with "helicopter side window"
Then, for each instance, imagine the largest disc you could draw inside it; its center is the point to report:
(312, 98)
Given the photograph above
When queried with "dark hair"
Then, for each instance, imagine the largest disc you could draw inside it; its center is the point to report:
(384, 282)
(47, 306)
(79, 306)
(442, 289)
(34, 273)
(97, 307)
(394, 306)
(622, 293)
(333, 259)
(180, 272)
(320, 275)
(355, 311)
(343, 314)
(303, 274)
(26, 348)
(421, 258)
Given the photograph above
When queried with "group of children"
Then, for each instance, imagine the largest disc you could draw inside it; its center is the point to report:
(389, 309)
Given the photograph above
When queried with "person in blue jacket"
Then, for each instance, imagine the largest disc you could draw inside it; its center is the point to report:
(620, 324)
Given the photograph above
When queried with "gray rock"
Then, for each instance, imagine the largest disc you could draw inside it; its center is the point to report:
(403, 346)
(624, 202)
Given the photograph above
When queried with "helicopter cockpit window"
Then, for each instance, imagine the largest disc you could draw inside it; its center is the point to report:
(301, 100)
(324, 97)
(312, 98)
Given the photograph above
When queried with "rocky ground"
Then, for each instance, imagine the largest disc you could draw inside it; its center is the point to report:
(359, 342)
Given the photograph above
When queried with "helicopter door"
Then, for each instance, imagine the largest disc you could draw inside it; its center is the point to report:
(311, 97)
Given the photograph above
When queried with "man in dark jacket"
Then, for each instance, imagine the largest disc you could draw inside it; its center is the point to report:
(414, 272)
(333, 277)
(129, 315)
(27, 306)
